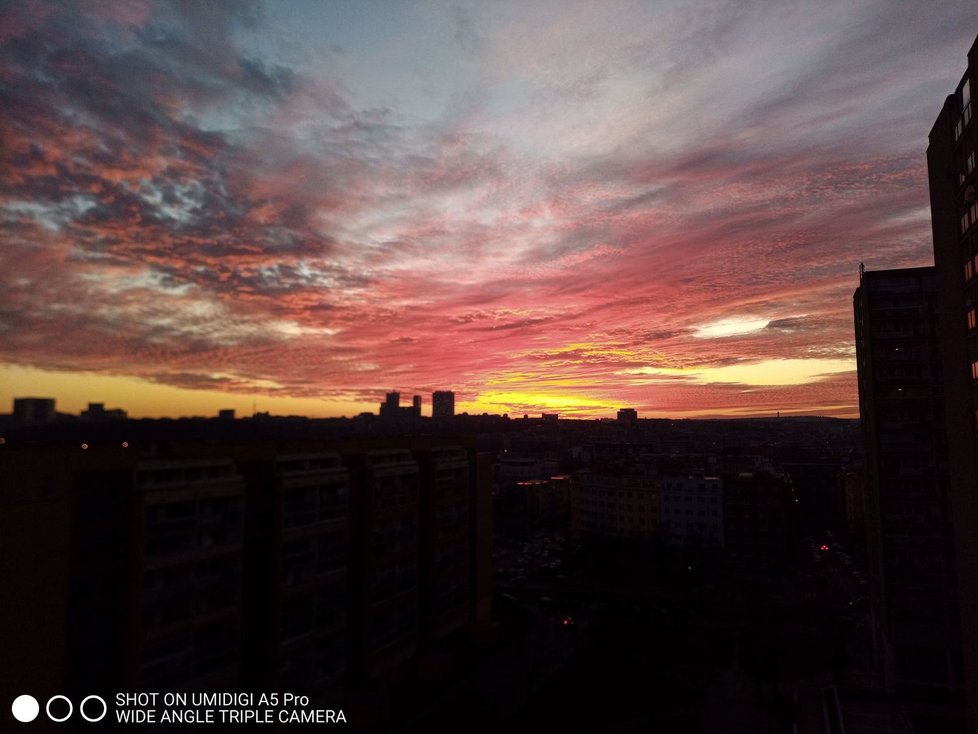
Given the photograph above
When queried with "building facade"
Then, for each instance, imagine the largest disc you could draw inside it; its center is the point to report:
(442, 404)
(691, 511)
(951, 153)
(908, 512)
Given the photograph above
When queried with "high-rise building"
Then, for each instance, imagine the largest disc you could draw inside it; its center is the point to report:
(33, 410)
(391, 405)
(951, 154)
(442, 404)
(913, 589)
(627, 416)
(392, 411)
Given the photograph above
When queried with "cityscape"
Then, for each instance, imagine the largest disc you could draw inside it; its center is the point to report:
(397, 367)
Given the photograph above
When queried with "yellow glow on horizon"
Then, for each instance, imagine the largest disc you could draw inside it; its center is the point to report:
(517, 403)
(144, 399)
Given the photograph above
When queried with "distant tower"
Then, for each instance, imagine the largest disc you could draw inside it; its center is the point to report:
(628, 416)
(391, 404)
(416, 405)
(34, 410)
(442, 404)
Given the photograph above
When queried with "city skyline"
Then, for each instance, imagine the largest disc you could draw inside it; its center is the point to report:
(566, 209)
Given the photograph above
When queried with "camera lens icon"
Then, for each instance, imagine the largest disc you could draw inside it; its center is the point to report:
(25, 708)
(93, 719)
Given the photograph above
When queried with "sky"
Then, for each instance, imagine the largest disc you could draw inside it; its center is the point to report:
(543, 206)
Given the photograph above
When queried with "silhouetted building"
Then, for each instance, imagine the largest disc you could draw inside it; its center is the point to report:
(442, 404)
(226, 414)
(392, 410)
(951, 167)
(391, 405)
(908, 512)
(97, 412)
(33, 410)
(628, 416)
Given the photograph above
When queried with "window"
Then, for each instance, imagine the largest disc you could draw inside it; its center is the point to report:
(969, 270)
(966, 103)
(974, 370)
(971, 319)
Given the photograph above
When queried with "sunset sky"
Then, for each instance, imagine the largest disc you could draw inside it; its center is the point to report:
(544, 206)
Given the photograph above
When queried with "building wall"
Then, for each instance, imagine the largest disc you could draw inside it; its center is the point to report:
(756, 516)
(616, 504)
(692, 511)
(442, 404)
(251, 566)
(950, 163)
(187, 583)
(908, 512)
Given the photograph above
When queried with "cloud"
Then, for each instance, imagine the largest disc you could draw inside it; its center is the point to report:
(232, 196)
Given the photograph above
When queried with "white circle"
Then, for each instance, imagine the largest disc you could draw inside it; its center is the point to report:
(25, 708)
(81, 708)
(71, 709)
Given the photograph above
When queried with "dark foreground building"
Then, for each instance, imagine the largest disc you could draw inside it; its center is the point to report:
(330, 569)
(908, 511)
(951, 162)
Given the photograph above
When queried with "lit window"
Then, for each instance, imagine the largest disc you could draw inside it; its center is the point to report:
(969, 270)
(971, 319)
(974, 370)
